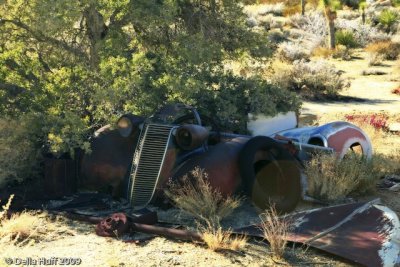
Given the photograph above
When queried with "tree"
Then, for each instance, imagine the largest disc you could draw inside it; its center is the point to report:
(79, 64)
(303, 7)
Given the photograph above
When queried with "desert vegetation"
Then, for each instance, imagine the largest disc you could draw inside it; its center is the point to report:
(194, 195)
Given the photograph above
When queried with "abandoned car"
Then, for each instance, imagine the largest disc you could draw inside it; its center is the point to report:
(140, 156)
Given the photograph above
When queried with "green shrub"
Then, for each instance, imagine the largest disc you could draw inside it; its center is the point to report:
(19, 153)
(346, 38)
(388, 18)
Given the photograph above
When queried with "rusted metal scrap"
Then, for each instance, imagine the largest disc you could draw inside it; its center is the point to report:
(365, 233)
(118, 224)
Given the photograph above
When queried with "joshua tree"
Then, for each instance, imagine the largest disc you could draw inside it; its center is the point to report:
(329, 7)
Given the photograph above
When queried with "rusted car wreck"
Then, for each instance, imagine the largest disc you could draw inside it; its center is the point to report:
(139, 157)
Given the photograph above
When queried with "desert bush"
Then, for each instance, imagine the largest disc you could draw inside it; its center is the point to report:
(346, 38)
(275, 231)
(364, 34)
(314, 79)
(194, 195)
(388, 18)
(291, 51)
(274, 9)
(348, 14)
(387, 50)
(276, 36)
(19, 154)
(292, 10)
(313, 24)
(333, 179)
(323, 52)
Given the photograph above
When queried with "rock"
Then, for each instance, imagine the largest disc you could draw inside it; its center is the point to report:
(394, 127)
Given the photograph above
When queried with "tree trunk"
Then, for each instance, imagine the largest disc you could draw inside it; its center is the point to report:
(303, 7)
(331, 16)
(332, 40)
(363, 16)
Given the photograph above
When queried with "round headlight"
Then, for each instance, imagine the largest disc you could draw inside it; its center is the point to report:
(124, 125)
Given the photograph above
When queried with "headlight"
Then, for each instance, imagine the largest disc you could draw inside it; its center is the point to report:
(124, 125)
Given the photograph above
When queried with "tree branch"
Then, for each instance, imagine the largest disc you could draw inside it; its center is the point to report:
(43, 38)
(13, 89)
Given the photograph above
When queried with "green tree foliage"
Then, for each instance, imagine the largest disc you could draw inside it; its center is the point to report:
(80, 64)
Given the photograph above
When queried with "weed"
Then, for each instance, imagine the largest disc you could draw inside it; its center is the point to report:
(216, 238)
(275, 230)
(195, 196)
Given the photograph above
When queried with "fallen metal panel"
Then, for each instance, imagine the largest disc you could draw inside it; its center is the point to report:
(365, 233)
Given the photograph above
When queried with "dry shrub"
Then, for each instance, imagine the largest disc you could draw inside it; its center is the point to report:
(275, 230)
(291, 10)
(323, 52)
(387, 164)
(333, 179)
(194, 195)
(386, 50)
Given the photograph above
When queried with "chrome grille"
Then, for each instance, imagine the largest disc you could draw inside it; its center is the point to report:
(147, 163)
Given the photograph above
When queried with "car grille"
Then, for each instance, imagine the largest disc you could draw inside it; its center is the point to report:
(147, 163)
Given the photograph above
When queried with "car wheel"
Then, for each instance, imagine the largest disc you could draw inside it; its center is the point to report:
(270, 174)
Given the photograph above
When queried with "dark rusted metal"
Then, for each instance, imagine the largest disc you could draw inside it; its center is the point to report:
(365, 233)
(167, 232)
(191, 136)
(60, 177)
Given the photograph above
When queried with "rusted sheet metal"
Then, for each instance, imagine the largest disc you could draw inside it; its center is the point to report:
(365, 233)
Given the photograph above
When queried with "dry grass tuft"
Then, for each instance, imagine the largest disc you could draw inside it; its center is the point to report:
(195, 196)
(332, 179)
(217, 239)
(27, 228)
(275, 231)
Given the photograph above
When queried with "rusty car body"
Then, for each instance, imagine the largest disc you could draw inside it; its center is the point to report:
(140, 156)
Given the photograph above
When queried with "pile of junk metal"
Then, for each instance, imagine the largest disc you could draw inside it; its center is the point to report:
(135, 159)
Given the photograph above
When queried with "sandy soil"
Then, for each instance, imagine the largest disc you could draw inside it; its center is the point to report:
(373, 91)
